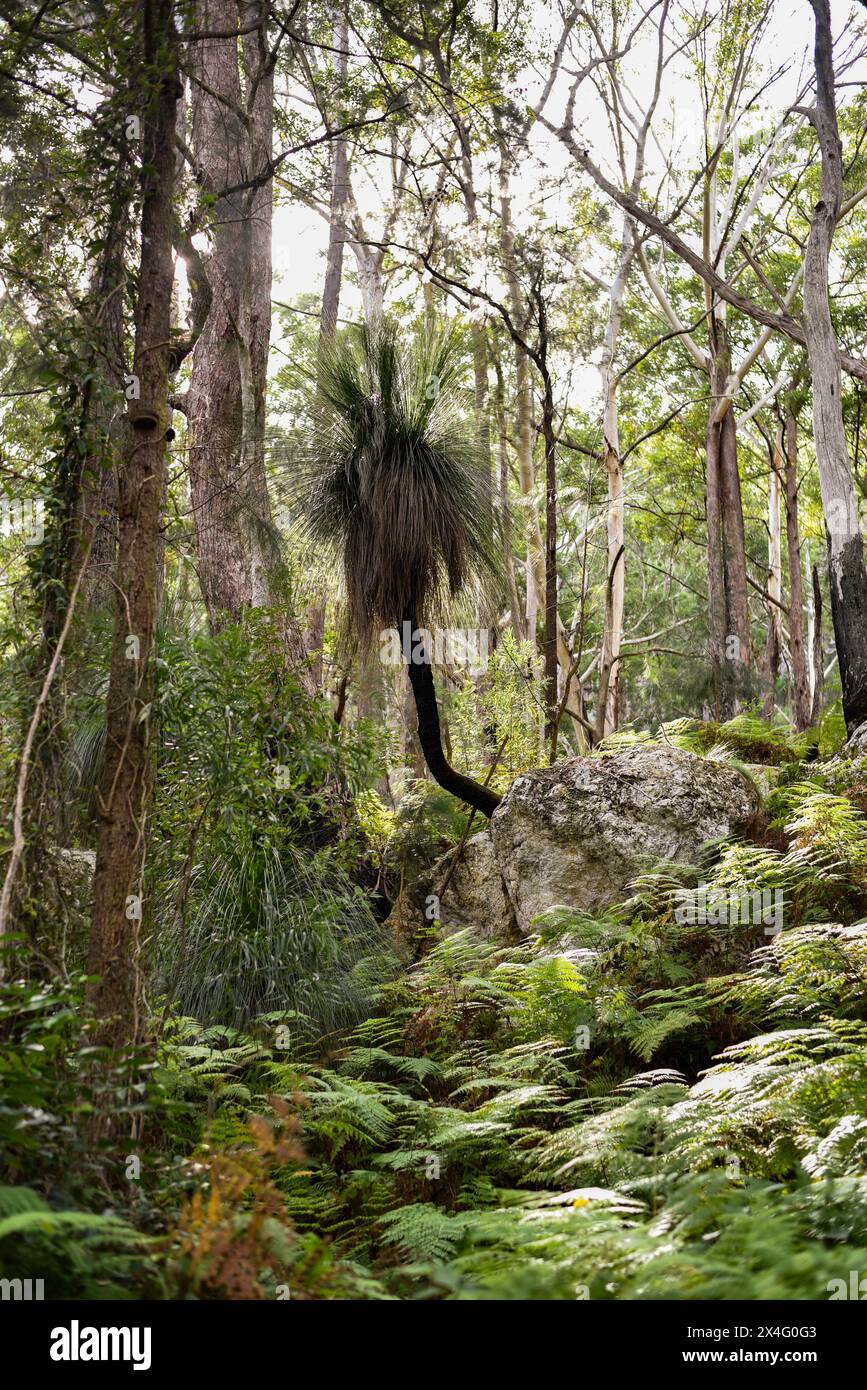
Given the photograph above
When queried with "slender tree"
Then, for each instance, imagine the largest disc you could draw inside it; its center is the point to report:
(847, 573)
(797, 648)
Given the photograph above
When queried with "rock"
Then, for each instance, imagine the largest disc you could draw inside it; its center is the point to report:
(577, 834)
(856, 746)
(475, 895)
(74, 871)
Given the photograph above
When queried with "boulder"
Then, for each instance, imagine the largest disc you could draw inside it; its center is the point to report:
(576, 835)
(856, 745)
(74, 871)
(475, 895)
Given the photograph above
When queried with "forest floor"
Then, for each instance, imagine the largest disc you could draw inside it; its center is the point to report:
(625, 1106)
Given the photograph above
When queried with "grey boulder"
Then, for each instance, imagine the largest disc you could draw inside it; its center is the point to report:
(576, 835)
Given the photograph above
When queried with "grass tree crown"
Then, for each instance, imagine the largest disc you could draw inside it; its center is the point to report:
(397, 486)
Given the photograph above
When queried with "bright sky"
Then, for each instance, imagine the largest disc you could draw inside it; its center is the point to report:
(300, 236)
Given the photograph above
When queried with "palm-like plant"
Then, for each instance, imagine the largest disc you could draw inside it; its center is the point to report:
(398, 492)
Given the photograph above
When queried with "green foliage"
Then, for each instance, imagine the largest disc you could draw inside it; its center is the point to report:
(630, 1106)
(257, 910)
(397, 489)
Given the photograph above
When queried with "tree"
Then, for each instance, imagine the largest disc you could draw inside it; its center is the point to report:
(231, 70)
(797, 649)
(400, 495)
(847, 573)
(125, 787)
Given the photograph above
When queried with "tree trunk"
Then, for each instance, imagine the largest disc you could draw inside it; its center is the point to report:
(717, 626)
(126, 781)
(98, 498)
(609, 665)
(237, 551)
(214, 402)
(726, 553)
(800, 673)
(430, 737)
(550, 438)
(847, 577)
(338, 214)
(774, 644)
(505, 512)
(817, 678)
(607, 712)
(314, 634)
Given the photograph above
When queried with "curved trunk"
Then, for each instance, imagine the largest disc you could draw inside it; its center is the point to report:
(430, 737)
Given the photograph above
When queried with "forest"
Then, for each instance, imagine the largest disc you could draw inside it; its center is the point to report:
(433, 651)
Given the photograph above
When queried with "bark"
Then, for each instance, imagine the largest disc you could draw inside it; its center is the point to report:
(818, 670)
(609, 671)
(717, 624)
(726, 558)
(612, 636)
(430, 737)
(797, 650)
(413, 757)
(314, 635)
(214, 402)
(517, 615)
(774, 643)
(340, 192)
(847, 576)
(237, 550)
(97, 506)
(550, 439)
(126, 781)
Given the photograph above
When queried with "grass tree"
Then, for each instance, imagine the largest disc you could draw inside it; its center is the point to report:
(399, 493)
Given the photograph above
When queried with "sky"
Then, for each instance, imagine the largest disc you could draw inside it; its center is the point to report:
(300, 235)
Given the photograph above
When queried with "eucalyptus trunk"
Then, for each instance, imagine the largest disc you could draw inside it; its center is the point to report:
(125, 788)
(797, 649)
(237, 550)
(846, 572)
(774, 643)
(726, 550)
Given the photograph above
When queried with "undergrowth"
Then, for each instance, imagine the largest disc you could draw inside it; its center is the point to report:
(633, 1105)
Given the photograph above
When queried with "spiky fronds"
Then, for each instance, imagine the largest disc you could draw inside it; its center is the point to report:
(396, 487)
